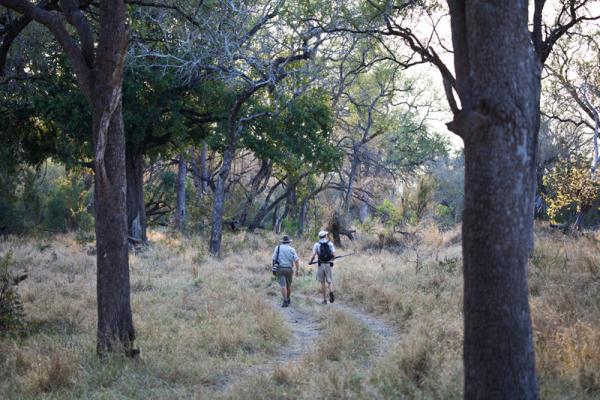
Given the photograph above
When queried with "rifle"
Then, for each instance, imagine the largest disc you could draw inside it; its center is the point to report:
(334, 258)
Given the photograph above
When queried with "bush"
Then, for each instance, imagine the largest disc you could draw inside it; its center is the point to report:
(11, 309)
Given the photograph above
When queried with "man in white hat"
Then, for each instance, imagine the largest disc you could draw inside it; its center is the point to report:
(285, 257)
(324, 251)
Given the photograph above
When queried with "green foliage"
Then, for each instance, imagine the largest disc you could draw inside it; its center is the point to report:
(50, 198)
(12, 314)
(290, 226)
(411, 208)
(298, 138)
(412, 145)
(391, 214)
(571, 189)
(449, 265)
(448, 173)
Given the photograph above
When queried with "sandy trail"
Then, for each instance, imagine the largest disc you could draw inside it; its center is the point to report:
(384, 332)
(305, 329)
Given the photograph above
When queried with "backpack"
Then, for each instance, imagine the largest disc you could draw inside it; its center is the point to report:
(325, 254)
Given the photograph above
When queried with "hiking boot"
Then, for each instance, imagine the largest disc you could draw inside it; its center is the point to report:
(324, 301)
(331, 297)
(285, 303)
(289, 301)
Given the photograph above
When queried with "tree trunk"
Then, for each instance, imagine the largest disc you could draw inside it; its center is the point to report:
(353, 172)
(595, 151)
(136, 208)
(198, 183)
(335, 226)
(279, 220)
(274, 218)
(182, 173)
(97, 59)
(266, 208)
(303, 215)
(578, 224)
(203, 167)
(364, 212)
(219, 202)
(257, 186)
(499, 88)
(115, 324)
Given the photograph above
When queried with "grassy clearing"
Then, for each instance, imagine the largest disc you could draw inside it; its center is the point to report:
(201, 321)
(195, 323)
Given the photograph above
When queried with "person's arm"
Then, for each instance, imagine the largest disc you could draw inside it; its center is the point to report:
(314, 254)
(296, 261)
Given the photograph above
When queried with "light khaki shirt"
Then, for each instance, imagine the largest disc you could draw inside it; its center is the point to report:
(287, 255)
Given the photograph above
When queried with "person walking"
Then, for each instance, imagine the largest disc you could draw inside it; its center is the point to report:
(284, 259)
(324, 251)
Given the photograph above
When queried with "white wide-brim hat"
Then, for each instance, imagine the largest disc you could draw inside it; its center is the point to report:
(322, 234)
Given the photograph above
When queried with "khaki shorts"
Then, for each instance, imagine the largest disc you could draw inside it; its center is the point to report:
(324, 273)
(284, 276)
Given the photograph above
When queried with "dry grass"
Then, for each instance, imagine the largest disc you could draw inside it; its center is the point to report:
(201, 321)
(196, 323)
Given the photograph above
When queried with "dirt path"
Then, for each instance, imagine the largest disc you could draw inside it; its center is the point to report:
(384, 332)
(304, 328)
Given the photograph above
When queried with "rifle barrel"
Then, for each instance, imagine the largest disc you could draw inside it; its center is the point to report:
(335, 258)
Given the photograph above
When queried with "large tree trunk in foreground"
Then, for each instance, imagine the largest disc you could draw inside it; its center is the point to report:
(97, 60)
(499, 87)
(115, 324)
(136, 208)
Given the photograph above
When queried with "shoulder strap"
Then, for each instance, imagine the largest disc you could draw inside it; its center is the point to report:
(277, 256)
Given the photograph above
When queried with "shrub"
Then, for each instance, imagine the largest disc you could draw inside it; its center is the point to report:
(11, 309)
(49, 372)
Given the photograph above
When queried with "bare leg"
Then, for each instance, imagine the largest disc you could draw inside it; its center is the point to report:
(324, 290)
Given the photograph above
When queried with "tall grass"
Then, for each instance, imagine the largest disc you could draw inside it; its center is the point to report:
(204, 325)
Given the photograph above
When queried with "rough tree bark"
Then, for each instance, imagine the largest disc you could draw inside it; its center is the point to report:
(136, 207)
(497, 80)
(257, 186)
(181, 174)
(351, 177)
(216, 231)
(97, 62)
(115, 323)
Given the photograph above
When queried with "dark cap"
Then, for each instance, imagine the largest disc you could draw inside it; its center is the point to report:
(286, 239)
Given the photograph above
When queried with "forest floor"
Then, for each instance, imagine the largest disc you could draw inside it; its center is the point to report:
(212, 328)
